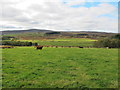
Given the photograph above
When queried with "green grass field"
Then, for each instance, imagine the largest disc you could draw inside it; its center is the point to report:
(26, 67)
(65, 42)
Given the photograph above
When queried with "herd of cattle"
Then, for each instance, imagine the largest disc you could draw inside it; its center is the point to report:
(39, 47)
(6, 47)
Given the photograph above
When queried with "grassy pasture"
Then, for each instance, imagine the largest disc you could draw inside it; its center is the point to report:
(65, 42)
(26, 67)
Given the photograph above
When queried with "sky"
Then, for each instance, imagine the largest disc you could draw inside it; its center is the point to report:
(59, 15)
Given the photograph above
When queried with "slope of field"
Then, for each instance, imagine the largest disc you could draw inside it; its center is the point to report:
(65, 42)
(26, 67)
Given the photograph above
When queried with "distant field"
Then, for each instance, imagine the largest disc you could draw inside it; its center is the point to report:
(26, 67)
(65, 41)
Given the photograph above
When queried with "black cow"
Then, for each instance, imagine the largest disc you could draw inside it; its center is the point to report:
(108, 47)
(39, 47)
(80, 47)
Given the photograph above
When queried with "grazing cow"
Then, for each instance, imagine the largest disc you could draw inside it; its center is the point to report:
(62, 46)
(69, 46)
(80, 47)
(39, 47)
(47, 46)
(108, 47)
(50, 46)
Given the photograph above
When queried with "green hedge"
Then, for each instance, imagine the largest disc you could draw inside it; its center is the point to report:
(18, 43)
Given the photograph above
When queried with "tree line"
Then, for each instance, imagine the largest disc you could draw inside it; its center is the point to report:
(18, 43)
(112, 42)
(8, 37)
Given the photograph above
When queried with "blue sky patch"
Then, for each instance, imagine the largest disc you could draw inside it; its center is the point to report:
(90, 4)
(109, 16)
(87, 4)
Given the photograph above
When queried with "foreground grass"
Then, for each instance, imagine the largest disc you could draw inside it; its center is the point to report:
(25, 67)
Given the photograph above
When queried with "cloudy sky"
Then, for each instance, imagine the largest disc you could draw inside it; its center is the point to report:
(72, 15)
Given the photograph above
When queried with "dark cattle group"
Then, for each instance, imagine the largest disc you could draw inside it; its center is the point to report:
(3, 47)
(40, 47)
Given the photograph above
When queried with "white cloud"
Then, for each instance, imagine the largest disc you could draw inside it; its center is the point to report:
(51, 14)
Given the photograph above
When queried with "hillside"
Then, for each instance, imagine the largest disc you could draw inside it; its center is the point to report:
(23, 31)
(35, 34)
(43, 30)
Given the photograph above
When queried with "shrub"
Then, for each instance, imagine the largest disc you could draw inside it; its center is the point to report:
(113, 43)
(117, 36)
